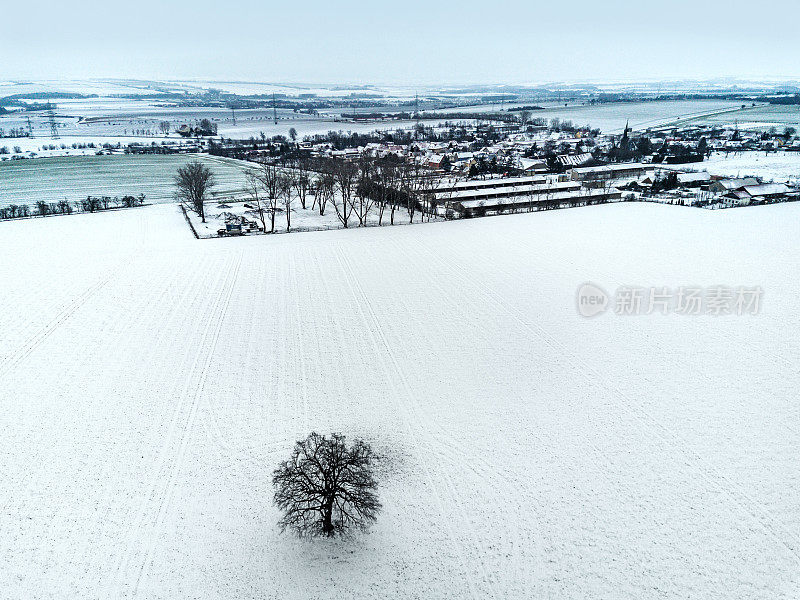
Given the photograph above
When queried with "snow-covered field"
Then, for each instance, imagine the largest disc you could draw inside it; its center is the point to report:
(74, 178)
(151, 382)
(777, 166)
(612, 117)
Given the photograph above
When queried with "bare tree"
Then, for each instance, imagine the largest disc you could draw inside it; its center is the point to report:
(268, 176)
(285, 193)
(194, 182)
(324, 191)
(410, 181)
(164, 126)
(253, 187)
(302, 181)
(426, 194)
(344, 175)
(365, 189)
(326, 487)
(386, 180)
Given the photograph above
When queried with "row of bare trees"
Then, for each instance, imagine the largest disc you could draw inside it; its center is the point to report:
(90, 204)
(360, 192)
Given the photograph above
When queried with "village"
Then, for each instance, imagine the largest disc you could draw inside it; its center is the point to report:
(465, 171)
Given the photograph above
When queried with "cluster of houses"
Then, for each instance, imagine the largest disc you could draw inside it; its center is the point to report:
(520, 152)
(713, 191)
(551, 167)
(749, 190)
(729, 139)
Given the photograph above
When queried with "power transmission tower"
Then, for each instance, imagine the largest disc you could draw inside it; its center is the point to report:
(30, 127)
(233, 114)
(274, 110)
(51, 116)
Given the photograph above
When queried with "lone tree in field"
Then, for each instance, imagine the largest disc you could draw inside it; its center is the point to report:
(194, 182)
(326, 487)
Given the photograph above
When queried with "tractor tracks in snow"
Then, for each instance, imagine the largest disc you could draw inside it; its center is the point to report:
(40, 336)
(143, 535)
(416, 428)
(35, 340)
(710, 474)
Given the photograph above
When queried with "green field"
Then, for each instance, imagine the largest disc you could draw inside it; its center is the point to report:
(73, 178)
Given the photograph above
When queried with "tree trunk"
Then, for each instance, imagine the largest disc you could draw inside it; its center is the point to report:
(327, 515)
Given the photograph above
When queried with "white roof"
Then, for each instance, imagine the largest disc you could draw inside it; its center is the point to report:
(493, 183)
(767, 189)
(520, 190)
(612, 168)
(527, 162)
(732, 184)
(561, 195)
(691, 177)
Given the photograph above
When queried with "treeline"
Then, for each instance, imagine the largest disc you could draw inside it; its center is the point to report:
(461, 116)
(90, 204)
(367, 191)
(785, 100)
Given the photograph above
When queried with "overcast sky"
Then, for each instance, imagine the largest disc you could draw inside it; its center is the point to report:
(411, 42)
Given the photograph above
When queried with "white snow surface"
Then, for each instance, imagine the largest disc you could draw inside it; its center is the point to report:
(151, 383)
(770, 166)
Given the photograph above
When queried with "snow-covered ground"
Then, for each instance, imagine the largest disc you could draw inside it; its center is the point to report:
(772, 166)
(300, 219)
(151, 382)
(74, 178)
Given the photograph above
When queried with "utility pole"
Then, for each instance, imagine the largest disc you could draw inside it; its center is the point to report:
(51, 116)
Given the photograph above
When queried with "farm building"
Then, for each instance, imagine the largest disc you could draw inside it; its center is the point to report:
(610, 172)
(574, 160)
(735, 198)
(556, 197)
(466, 200)
(529, 166)
(768, 191)
(694, 179)
(722, 186)
(483, 184)
(757, 194)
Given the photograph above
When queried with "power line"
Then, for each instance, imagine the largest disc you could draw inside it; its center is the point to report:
(51, 116)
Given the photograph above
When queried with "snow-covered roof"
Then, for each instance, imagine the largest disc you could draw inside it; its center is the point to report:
(520, 190)
(613, 168)
(734, 184)
(767, 189)
(474, 184)
(574, 160)
(562, 195)
(694, 177)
